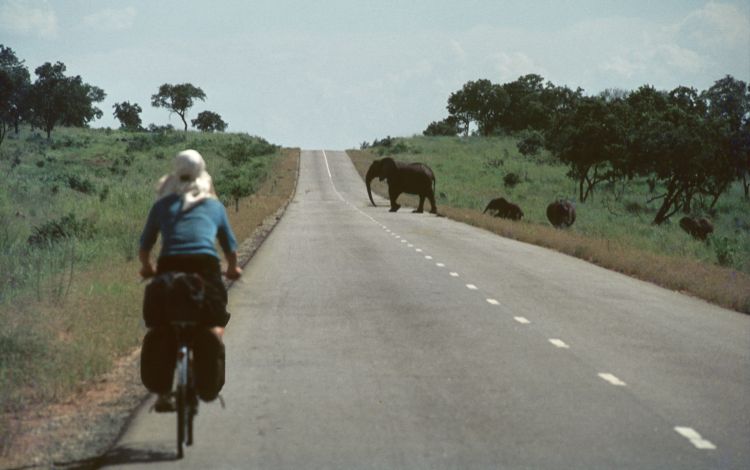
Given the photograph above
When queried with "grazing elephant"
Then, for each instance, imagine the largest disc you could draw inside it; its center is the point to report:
(698, 228)
(504, 209)
(561, 213)
(410, 178)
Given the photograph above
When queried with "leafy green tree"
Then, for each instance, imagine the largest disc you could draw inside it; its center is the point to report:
(478, 101)
(128, 114)
(6, 90)
(177, 99)
(590, 140)
(15, 88)
(446, 127)
(728, 102)
(208, 121)
(57, 99)
(524, 108)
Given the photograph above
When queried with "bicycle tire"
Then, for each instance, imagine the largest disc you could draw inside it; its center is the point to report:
(182, 402)
(190, 400)
(180, 420)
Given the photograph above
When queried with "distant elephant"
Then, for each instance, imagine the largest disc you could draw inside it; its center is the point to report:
(504, 209)
(410, 178)
(561, 213)
(698, 228)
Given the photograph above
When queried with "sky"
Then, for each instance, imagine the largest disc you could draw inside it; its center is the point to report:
(334, 73)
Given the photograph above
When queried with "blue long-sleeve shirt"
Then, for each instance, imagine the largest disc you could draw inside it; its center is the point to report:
(190, 232)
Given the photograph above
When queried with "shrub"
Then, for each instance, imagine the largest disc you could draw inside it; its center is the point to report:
(67, 226)
(511, 180)
(82, 185)
(531, 143)
(726, 250)
(238, 153)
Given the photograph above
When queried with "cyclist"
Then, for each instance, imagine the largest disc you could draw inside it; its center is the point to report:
(190, 219)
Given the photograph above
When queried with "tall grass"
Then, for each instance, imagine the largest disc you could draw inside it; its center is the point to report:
(613, 228)
(71, 212)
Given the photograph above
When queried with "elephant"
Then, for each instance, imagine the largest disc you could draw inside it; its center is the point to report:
(561, 213)
(504, 209)
(410, 178)
(698, 228)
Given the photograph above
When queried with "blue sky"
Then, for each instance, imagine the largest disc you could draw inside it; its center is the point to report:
(332, 74)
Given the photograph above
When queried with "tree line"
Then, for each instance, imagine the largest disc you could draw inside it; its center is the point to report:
(686, 143)
(56, 99)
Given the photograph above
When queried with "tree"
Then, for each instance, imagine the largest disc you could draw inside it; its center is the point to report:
(56, 99)
(590, 140)
(128, 115)
(177, 99)
(16, 87)
(6, 90)
(208, 121)
(728, 102)
(478, 101)
(524, 108)
(447, 127)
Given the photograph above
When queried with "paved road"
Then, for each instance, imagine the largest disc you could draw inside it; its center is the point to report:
(366, 339)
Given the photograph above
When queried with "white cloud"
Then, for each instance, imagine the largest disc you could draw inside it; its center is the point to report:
(28, 18)
(717, 24)
(111, 19)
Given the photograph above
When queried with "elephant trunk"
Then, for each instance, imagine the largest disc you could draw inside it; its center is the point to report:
(371, 174)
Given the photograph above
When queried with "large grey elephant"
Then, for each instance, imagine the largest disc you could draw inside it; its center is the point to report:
(561, 213)
(410, 178)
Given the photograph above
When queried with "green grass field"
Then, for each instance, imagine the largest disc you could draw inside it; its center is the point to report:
(71, 212)
(613, 228)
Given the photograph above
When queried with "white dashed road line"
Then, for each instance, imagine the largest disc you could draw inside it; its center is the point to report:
(559, 343)
(454, 274)
(522, 320)
(471, 287)
(440, 265)
(612, 379)
(692, 435)
(428, 257)
(419, 250)
(493, 302)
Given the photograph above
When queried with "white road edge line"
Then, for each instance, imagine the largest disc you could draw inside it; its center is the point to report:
(522, 320)
(612, 379)
(692, 435)
(559, 343)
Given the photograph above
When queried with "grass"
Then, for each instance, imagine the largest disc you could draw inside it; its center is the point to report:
(613, 229)
(70, 306)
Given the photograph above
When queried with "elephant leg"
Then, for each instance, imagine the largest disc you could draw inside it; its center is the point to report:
(393, 194)
(420, 208)
(433, 206)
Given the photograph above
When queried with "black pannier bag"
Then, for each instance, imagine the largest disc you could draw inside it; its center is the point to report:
(173, 296)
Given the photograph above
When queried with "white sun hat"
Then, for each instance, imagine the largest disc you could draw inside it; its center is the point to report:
(189, 179)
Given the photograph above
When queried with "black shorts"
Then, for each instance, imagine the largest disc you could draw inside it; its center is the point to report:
(208, 267)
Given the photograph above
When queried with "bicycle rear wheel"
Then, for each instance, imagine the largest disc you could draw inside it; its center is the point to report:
(184, 421)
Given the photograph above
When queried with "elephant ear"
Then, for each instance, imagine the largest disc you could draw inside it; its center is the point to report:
(387, 166)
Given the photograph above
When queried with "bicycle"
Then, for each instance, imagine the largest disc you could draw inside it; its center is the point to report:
(185, 393)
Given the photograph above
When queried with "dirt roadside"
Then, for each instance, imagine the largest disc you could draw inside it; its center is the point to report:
(77, 432)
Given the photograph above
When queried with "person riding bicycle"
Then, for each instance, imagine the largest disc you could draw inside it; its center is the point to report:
(190, 219)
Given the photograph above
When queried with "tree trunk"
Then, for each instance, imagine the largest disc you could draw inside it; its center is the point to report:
(669, 206)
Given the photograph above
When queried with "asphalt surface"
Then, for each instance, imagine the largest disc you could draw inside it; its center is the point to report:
(367, 339)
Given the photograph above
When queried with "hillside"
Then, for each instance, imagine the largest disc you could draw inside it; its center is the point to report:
(613, 228)
(71, 213)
